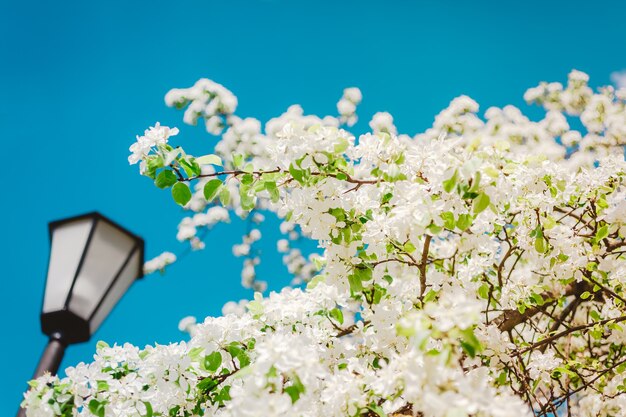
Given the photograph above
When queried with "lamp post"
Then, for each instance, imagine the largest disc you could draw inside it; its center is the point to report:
(92, 263)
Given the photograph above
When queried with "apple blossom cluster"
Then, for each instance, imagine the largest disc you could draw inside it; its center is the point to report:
(204, 220)
(237, 308)
(346, 106)
(257, 364)
(382, 122)
(602, 114)
(475, 269)
(159, 263)
(153, 137)
(206, 99)
(246, 250)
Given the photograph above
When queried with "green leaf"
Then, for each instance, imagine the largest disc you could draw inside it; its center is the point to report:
(255, 307)
(448, 185)
(249, 168)
(409, 247)
(538, 299)
(464, 222)
(337, 314)
(194, 353)
(378, 293)
(296, 174)
(448, 220)
(564, 370)
(585, 295)
(272, 189)
(295, 389)
(102, 385)
(549, 223)
(602, 233)
(96, 407)
(376, 363)
(469, 349)
(211, 189)
(483, 291)
(213, 361)
(364, 273)
(237, 160)
(247, 179)
(355, 283)
(149, 411)
(475, 183)
(405, 331)
(470, 343)
(299, 160)
(166, 179)
(430, 296)
(210, 159)
(387, 198)
(597, 333)
(341, 146)
(207, 385)
(190, 166)
(181, 193)
(377, 409)
(481, 203)
(338, 213)
(236, 351)
(595, 315)
(501, 380)
(223, 395)
(247, 201)
(224, 196)
(537, 232)
(153, 162)
(541, 245)
(101, 345)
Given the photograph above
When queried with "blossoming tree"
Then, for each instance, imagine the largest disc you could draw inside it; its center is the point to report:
(476, 269)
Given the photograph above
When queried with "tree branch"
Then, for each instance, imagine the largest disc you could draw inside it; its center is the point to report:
(423, 264)
(511, 318)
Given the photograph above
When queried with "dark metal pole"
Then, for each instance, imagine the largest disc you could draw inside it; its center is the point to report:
(50, 361)
(51, 358)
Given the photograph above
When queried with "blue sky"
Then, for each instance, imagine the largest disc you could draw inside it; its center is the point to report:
(78, 81)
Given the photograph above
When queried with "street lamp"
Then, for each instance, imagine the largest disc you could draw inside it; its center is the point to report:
(92, 263)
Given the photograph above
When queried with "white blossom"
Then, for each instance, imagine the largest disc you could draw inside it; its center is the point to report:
(474, 269)
(159, 262)
(153, 137)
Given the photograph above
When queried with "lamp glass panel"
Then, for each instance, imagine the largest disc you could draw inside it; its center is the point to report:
(126, 278)
(68, 243)
(107, 251)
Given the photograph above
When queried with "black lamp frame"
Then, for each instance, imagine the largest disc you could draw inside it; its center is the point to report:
(64, 325)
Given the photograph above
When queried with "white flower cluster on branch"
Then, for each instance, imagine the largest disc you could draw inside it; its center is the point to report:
(159, 263)
(476, 269)
(347, 105)
(206, 99)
